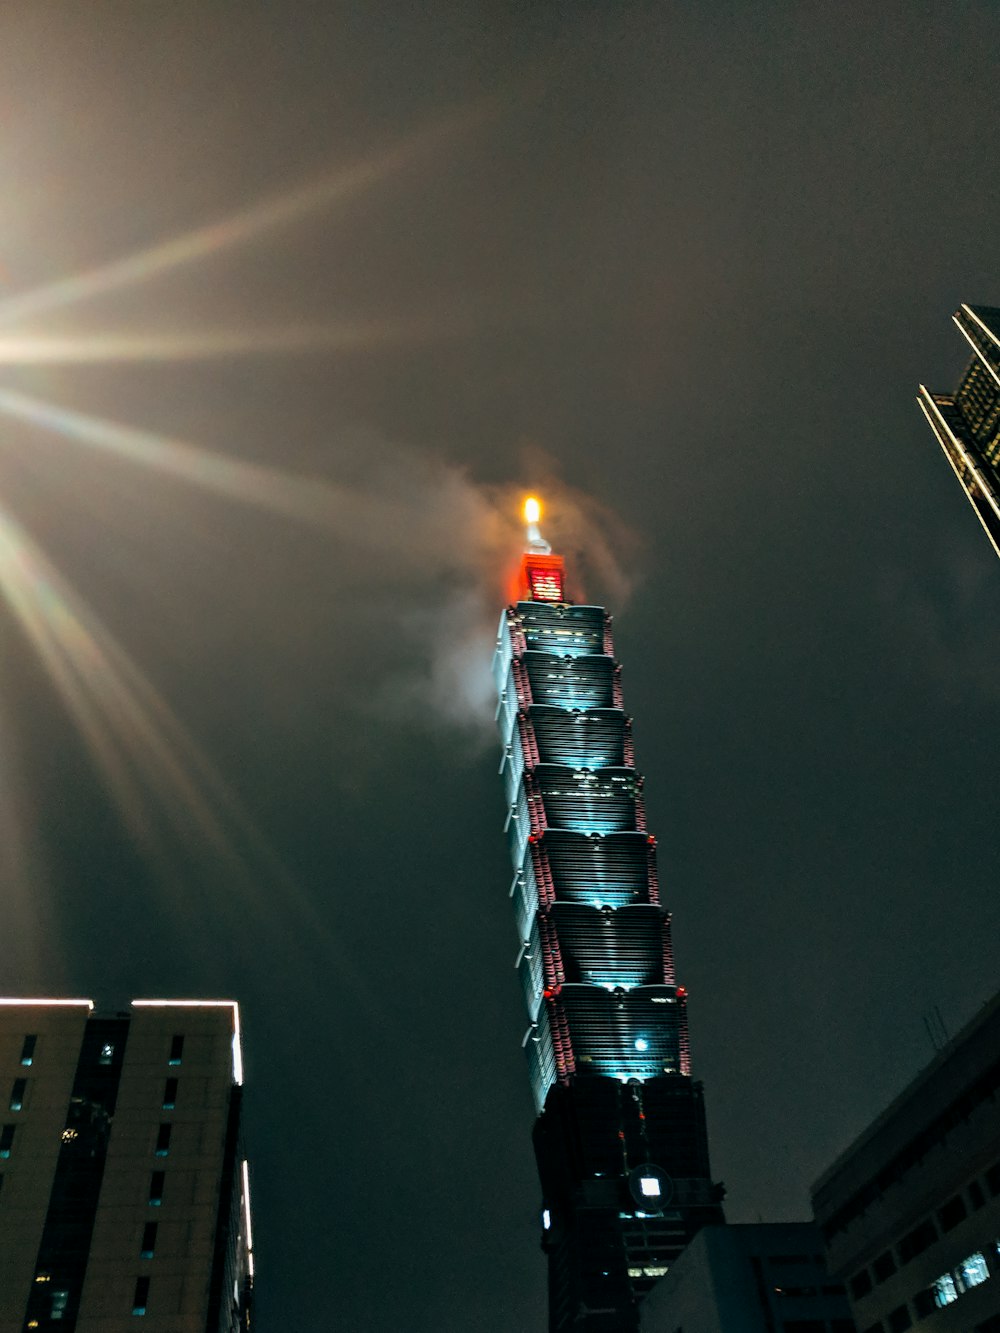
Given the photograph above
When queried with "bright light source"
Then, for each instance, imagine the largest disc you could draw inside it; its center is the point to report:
(546, 1219)
(206, 1004)
(641, 1044)
(650, 1187)
(246, 1216)
(532, 510)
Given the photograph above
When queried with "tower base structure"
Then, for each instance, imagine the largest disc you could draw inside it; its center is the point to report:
(620, 1137)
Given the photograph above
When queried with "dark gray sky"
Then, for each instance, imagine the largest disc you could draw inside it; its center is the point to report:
(684, 266)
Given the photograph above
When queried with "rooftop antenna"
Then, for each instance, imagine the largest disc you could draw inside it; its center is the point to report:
(532, 516)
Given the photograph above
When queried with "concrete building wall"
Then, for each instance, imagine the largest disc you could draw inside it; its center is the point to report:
(26, 1175)
(910, 1213)
(176, 1113)
(754, 1278)
(181, 1268)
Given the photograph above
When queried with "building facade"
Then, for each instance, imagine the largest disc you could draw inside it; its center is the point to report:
(967, 423)
(767, 1277)
(910, 1213)
(620, 1137)
(123, 1189)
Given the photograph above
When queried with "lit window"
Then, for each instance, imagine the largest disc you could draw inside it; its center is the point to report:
(141, 1297)
(170, 1094)
(972, 1272)
(17, 1094)
(60, 1299)
(156, 1189)
(176, 1049)
(6, 1140)
(163, 1141)
(546, 1219)
(944, 1290)
(148, 1246)
(28, 1050)
(107, 1053)
(68, 1135)
(650, 1187)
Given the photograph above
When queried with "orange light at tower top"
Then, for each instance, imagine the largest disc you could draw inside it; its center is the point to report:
(542, 573)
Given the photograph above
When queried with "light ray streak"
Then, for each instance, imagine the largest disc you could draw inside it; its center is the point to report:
(365, 518)
(87, 349)
(152, 767)
(139, 746)
(240, 227)
(251, 483)
(126, 725)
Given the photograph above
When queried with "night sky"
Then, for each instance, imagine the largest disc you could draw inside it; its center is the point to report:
(296, 301)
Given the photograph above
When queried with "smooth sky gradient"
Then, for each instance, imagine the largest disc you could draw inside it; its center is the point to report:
(295, 302)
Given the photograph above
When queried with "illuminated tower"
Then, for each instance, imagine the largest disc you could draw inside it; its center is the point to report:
(123, 1188)
(967, 423)
(620, 1134)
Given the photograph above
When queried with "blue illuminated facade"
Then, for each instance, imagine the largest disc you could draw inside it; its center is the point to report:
(620, 1132)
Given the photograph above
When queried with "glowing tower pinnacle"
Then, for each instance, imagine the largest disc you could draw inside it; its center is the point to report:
(620, 1135)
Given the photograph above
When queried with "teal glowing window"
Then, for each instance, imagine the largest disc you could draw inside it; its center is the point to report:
(170, 1094)
(17, 1094)
(176, 1049)
(163, 1141)
(28, 1050)
(60, 1300)
(156, 1189)
(148, 1246)
(141, 1298)
(6, 1140)
(972, 1272)
(944, 1291)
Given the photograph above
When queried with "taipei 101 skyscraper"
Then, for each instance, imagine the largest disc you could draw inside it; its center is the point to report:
(620, 1135)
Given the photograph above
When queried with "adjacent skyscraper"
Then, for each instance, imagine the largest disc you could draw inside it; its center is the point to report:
(967, 423)
(620, 1136)
(123, 1188)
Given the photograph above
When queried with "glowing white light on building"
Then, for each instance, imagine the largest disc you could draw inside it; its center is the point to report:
(246, 1216)
(206, 1004)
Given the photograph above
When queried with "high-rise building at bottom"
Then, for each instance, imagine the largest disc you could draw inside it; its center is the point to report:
(124, 1191)
(620, 1136)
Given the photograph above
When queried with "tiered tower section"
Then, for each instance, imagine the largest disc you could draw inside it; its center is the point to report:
(967, 422)
(620, 1136)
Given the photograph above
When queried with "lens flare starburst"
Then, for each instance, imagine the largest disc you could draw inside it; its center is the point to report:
(159, 778)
